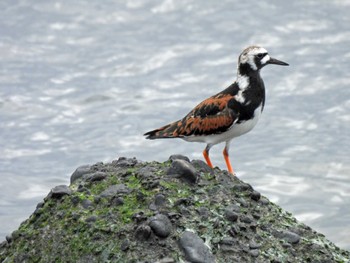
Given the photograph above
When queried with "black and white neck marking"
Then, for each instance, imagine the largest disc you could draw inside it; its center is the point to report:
(250, 62)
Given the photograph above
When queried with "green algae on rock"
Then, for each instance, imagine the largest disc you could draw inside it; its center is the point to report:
(176, 211)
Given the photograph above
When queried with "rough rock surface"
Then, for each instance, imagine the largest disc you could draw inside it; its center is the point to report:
(176, 211)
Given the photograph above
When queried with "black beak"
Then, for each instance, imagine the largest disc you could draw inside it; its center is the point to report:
(277, 62)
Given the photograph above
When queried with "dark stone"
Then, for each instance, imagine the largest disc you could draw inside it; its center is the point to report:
(234, 231)
(125, 162)
(203, 212)
(179, 157)
(91, 219)
(202, 166)
(124, 245)
(183, 170)
(242, 187)
(59, 191)
(227, 241)
(254, 252)
(231, 215)
(246, 219)
(97, 176)
(183, 201)
(143, 232)
(114, 190)
(264, 201)
(117, 201)
(147, 172)
(75, 200)
(161, 225)
(139, 217)
(159, 200)
(254, 245)
(40, 205)
(194, 248)
(9, 238)
(288, 236)
(255, 195)
(86, 203)
(166, 260)
(79, 172)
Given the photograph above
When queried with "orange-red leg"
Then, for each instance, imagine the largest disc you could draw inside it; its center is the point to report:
(227, 160)
(206, 156)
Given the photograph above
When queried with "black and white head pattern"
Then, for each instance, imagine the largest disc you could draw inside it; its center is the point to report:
(257, 57)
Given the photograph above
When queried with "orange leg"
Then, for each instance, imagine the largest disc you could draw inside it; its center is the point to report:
(227, 160)
(206, 156)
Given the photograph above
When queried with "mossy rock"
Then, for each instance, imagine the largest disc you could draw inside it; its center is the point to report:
(130, 211)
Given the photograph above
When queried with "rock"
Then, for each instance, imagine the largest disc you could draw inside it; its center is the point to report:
(97, 176)
(254, 245)
(194, 248)
(255, 195)
(183, 170)
(124, 245)
(242, 187)
(161, 225)
(9, 238)
(231, 215)
(203, 212)
(166, 260)
(91, 219)
(59, 191)
(114, 190)
(246, 219)
(143, 232)
(288, 236)
(125, 162)
(202, 166)
(79, 172)
(254, 252)
(86, 203)
(159, 201)
(179, 157)
(151, 217)
(117, 201)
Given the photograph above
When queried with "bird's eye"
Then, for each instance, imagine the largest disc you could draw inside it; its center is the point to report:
(260, 55)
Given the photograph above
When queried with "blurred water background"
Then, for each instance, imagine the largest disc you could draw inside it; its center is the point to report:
(81, 81)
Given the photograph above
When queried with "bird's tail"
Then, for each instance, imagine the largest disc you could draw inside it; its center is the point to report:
(167, 131)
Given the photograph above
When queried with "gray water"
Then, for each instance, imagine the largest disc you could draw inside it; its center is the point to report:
(81, 81)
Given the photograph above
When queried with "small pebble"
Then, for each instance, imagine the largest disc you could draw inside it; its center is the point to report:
(86, 203)
(255, 195)
(183, 170)
(97, 176)
(124, 245)
(79, 172)
(254, 252)
(231, 215)
(179, 157)
(288, 236)
(194, 248)
(91, 219)
(114, 190)
(143, 232)
(246, 219)
(161, 225)
(59, 191)
(125, 162)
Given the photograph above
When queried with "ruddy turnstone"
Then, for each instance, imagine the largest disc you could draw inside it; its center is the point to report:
(228, 114)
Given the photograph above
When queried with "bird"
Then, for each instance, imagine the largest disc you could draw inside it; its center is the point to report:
(227, 114)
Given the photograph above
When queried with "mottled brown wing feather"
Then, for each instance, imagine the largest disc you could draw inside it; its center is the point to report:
(212, 116)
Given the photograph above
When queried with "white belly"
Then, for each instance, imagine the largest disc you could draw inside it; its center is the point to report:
(235, 131)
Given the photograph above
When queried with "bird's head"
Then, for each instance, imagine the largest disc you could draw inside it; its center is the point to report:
(255, 58)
